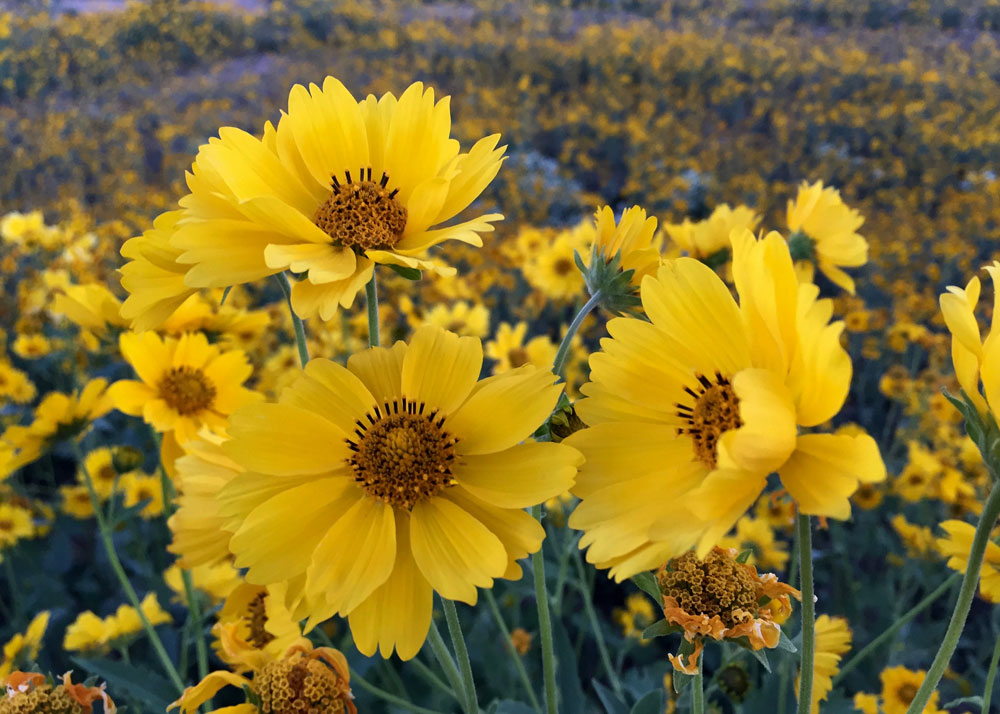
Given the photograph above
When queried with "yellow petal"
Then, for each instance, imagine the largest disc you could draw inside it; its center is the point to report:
(767, 436)
(148, 354)
(380, 368)
(520, 476)
(440, 368)
(825, 470)
(520, 534)
(282, 439)
(332, 392)
(193, 697)
(130, 396)
(324, 263)
(721, 500)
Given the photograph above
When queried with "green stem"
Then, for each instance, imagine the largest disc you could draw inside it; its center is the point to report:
(544, 618)
(559, 365)
(471, 704)
(386, 696)
(896, 626)
(698, 690)
(428, 674)
(444, 659)
(371, 295)
(808, 615)
(991, 675)
(15, 599)
(595, 625)
(783, 676)
(300, 330)
(116, 565)
(518, 663)
(969, 582)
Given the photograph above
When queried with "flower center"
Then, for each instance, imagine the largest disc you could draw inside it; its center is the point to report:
(256, 619)
(563, 267)
(186, 390)
(717, 585)
(362, 214)
(43, 699)
(402, 455)
(7, 526)
(906, 693)
(715, 411)
(300, 685)
(518, 357)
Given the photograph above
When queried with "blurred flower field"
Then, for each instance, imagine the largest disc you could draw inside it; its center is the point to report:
(689, 301)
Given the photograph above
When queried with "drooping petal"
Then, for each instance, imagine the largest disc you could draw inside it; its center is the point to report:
(511, 478)
(767, 436)
(825, 470)
(721, 500)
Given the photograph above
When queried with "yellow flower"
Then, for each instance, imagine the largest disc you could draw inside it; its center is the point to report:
(899, 687)
(462, 318)
(18, 227)
(254, 627)
(217, 580)
(87, 632)
(718, 597)
(394, 477)
(91, 306)
(305, 679)
(339, 186)
(32, 346)
(824, 234)
(186, 383)
(633, 236)
(99, 464)
(956, 547)
(919, 540)
(139, 487)
(551, 268)
(637, 615)
(510, 351)
(24, 647)
(710, 237)
(833, 640)
(125, 621)
(34, 693)
(866, 703)
(757, 535)
(76, 501)
(691, 411)
(59, 416)
(153, 276)
(15, 523)
(867, 497)
(15, 385)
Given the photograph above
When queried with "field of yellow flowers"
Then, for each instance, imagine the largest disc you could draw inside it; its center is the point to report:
(564, 357)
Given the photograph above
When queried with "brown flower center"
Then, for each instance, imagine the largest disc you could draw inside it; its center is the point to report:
(563, 266)
(42, 699)
(717, 585)
(6, 525)
(906, 693)
(186, 390)
(715, 411)
(518, 357)
(362, 214)
(256, 619)
(300, 686)
(401, 454)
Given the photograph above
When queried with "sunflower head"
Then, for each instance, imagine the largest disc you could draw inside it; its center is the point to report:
(34, 693)
(306, 680)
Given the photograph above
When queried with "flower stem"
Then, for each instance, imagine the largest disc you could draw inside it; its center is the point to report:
(371, 295)
(896, 626)
(444, 659)
(300, 330)
(698, 690)
(808, 615)
(518, 663)
(116, 565)
(969, 583)
(991, 676)
(562, 354)
(471, 703)
(386, 696)
(544, 618)
(595, 625)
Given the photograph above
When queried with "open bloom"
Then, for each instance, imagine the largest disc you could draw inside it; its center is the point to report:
(23, 648)
(689, 412)
(34, 693)
(184, 384)
(833, 640)
(396, 476)
(708, 239)
(255, 627)
(633, 237)
(899, 687)
(721, 598)
(824, 234)
(337, 187)
(957, 546)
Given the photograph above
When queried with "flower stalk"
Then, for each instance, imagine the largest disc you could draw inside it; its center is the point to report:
(470, 703)
(559, 365)
(300, 330)
(371, 295)
(545, 617)
(808, 649)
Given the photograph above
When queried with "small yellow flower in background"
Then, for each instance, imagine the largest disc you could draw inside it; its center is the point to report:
(254, 627)
(304, 679)
(15, 385)
(824, 234)
(32, 346)
(957, 545)
(92, 306)
(15, 523)
(216, 580)
(99, 464)
(708, 239)
(757, 536)
(720, 598)
(633, 236)
(24, 648)
(688, 413)
(510, 351)
(18, 227)
(34, 693)
(462, 318)
(520, 640)
(551, 267)
(636, 616)
(139, 487)
(899, 687)
(88, 632)
(918, 540)
(340, 186)
(184, 384)
(867, 497)
(392, 478)
(833, 640)
(866, 703)
(58, 417)
(76, 501)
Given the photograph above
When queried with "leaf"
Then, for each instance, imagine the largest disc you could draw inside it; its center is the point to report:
(408, 273)
(659, 629)
(612, 704)
(509, 706)
(225, 294)
(977, 700)
(571, 698)
(647, 583)
(784, 643)
(744, 555)
(761, 656)
(651, 703)
(139, 683)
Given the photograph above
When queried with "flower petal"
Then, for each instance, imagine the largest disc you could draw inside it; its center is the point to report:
(767, 436)
(825, 470)
(440, 368)
(521, 476)
(285, 440)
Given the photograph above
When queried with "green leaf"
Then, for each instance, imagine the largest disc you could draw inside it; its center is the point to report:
(744, 555)
(408, 273)
(650, 703)
(509, 706)
(659, 629)
(139, 683)
(647, 583)
(977, 700)
(786, 644)
(611, 703)
(225, 294)
(761, 656)
(571, 698)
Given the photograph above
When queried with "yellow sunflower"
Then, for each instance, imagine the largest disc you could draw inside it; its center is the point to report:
(689, 412)
(833, 640)
(15, 523)
(551, 268)
(824, 234)
(899, 687)
(339, 186)
(394, 477)
(510, 351)
(633, 236)
(255, 627)
(957, 546)
(708, 239)
(24, 647)
(184, 384)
